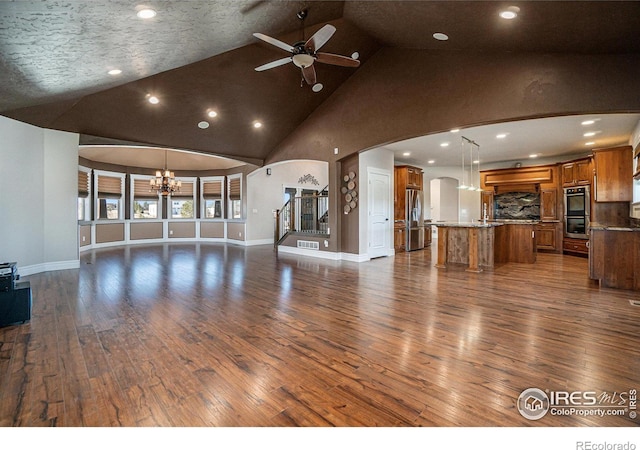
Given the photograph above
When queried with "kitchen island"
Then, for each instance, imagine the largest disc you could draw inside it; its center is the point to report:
(482, 245)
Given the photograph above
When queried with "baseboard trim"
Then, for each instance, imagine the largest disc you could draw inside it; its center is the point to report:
(48, 267)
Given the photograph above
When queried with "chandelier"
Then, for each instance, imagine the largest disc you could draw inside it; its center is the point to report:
(165, 181)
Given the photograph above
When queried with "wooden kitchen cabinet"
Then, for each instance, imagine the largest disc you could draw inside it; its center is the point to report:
(548, 236)
(576, 246)
(408, 177)
(399, 238)
(405, 177)
(549, 204)
(577, 173)
(613, 174)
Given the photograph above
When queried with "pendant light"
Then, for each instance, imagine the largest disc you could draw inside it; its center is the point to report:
(464, 173)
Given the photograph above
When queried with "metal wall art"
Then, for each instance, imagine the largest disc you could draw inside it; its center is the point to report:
(350, 193)
(308, 178)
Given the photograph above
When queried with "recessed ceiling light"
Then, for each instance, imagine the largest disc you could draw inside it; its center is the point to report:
(203, 125)
(431, 161)
(440, 37)
(406, 154)
(589, 143)
(257, 124)
(533, 155)
(588, 122)
(455, 130)
(444, 144)
(501, 135)
(317, 87)
(114, 72)
(153, 99)
(355, 55)
(589, 134)
(146, 13)
(211, 113)
(510, 13)
(475, 161)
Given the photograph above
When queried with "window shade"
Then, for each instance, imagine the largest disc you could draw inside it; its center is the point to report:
(109, 187)
(212, 190)
(83, 184)
(185, 191)
(142, 190)
(234, 189)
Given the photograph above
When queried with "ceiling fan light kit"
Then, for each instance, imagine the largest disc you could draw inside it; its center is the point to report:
(305, 54)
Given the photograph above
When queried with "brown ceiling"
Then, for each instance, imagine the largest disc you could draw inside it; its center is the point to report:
(200, 55)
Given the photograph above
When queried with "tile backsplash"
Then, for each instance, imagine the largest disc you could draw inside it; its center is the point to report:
(517, 205)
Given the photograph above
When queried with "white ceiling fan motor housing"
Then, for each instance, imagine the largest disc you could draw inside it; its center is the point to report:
(303, 60)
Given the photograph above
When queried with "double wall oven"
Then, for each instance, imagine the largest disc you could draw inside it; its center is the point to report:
(576, 212)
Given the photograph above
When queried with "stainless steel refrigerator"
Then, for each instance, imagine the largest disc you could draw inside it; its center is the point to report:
(414, 220)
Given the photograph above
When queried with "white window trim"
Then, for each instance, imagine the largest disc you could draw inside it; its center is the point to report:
(88, 200)
(202, 200)
(193, 180)
(96, 174)
(229, 204)
(133, 177)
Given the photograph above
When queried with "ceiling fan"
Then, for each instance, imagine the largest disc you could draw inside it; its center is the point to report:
(304, 54)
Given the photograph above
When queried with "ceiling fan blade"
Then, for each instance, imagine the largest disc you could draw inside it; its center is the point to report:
(309, 75)
(337, 60)
(272, 64)
(320, 38)
(272, 41)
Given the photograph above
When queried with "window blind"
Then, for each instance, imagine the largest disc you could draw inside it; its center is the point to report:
(234, 189)
(109, 187)
(142, 190)
(212, 190)
(186, 191)
(83, 184)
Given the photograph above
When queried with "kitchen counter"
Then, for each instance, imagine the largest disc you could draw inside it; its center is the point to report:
(601, 227)
(483, 245)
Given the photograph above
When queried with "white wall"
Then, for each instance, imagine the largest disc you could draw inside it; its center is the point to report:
(468, 201)
(377, 158)
(265, 193)
(444, 199)
(37, 202)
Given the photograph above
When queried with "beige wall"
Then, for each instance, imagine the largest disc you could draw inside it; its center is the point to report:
(84, 235)
(212, 230)
(235, 231)
(109, 232)
(182, 230)
(145, 230)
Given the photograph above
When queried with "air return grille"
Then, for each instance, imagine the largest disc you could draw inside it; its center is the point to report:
(310, 245)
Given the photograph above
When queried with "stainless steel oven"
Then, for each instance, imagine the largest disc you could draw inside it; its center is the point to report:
(576, 212)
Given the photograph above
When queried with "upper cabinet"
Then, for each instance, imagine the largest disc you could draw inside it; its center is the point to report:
(408, 177)
(549, 204)
(613, 174)
(576, 173)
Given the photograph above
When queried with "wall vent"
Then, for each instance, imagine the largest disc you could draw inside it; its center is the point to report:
(310, 245)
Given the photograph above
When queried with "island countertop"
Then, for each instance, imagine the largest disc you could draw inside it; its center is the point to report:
(467, 224)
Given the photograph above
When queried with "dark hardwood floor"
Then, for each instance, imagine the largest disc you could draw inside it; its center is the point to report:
(218, 335)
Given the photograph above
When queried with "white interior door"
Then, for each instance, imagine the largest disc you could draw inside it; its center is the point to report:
(379, 214)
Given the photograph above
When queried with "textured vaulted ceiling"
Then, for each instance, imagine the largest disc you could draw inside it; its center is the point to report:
(199, 55)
